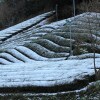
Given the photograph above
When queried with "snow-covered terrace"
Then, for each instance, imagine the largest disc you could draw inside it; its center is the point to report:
(47, 73)
(24, 25)
(34, 65)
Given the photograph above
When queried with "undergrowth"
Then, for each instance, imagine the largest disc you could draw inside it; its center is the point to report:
(91, 93)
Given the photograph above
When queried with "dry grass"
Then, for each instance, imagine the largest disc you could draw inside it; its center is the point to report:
(92, 6)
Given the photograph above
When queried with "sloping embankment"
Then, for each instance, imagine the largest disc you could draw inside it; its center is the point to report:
(29, 64)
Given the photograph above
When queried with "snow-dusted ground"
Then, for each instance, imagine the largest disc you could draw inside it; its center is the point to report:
(53, 94)
(28, 35)
(20, 67)
(45, 73)
(21, 26)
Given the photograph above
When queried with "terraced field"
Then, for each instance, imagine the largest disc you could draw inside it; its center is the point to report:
(54, 40)
(50, 44)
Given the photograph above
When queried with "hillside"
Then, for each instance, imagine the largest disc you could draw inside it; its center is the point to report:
(35, 54)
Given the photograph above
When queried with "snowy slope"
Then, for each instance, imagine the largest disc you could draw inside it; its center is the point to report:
(80, 24)
(24, 25)
(47, 74)
(37, 57)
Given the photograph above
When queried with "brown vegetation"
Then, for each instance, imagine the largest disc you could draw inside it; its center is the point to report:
(15, 11)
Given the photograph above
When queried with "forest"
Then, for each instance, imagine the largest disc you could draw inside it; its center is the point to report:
(16, 11)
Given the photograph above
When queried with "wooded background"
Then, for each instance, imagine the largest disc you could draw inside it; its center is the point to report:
(16, 11)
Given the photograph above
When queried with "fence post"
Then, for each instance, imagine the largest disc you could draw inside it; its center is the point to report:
(57, 12)
(68, 22)
(74, 8)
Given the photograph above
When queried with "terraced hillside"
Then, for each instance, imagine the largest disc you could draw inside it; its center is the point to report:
(54, 40)
(47, 48)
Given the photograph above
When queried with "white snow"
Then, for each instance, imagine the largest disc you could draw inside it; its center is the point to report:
(30, 53)
(56, 25)
(20, 26)
(40, 34)
(4, 61)
(10, 57)
(84, 56)
(44, 73)
(54, 94)
(61, 23)
(18, 55)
